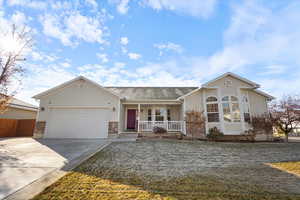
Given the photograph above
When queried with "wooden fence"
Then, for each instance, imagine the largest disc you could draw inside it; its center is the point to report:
(16, 128)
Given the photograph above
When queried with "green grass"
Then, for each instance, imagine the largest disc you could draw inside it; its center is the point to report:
(90, 182)
(290, 167)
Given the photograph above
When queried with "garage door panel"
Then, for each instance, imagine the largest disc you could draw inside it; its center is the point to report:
(77, 123)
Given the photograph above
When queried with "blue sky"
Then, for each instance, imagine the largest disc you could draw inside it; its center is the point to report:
(158, 42)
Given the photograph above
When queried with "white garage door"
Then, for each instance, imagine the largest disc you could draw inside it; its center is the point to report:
(77, 123)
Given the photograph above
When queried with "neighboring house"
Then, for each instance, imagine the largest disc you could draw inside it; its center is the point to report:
(81, 108)
(18, 109)
(18, 119)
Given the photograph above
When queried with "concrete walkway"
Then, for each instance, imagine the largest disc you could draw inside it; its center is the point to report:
(24, 160)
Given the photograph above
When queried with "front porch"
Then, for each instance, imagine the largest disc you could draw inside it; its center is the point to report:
(143, 118)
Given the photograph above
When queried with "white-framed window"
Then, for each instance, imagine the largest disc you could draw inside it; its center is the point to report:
(246, 108)
(212, 109)
(159, 114)
(231, 109)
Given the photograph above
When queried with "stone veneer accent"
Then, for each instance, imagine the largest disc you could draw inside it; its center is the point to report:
(39, 129)
(113, 127)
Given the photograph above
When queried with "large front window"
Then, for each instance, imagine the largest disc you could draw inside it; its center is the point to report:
(212, 109)
(231, 109)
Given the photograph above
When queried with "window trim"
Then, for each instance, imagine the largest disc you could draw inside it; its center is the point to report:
(247, 105)
(212, 102)
(161, 114)
(230, 102)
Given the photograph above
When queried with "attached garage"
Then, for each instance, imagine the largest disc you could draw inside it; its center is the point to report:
(79, 108)
(78, 123)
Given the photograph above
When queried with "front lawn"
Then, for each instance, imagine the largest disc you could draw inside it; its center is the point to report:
(177, 170)
(290, 167)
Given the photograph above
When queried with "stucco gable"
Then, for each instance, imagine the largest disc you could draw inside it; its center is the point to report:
(233, 79)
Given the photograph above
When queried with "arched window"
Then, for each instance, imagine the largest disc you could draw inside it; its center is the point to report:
(246, 108)
(212, 109)
(231, 109)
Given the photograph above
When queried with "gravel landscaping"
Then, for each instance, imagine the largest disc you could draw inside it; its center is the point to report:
(184, 170)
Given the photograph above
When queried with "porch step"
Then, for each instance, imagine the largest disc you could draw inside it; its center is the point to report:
(128, 135)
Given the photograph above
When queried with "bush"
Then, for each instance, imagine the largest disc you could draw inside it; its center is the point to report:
(157, 130)
(214, 133)
(262, 122)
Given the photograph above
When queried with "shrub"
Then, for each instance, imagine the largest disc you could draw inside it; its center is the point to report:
(262, 122)
(214, 133)
(158, 129)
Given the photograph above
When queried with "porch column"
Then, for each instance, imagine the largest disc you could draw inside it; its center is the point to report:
(241, 106)
(152, 116)
(138, 117)
(166, 118)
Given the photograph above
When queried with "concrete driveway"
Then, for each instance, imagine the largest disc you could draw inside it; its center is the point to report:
(24, 160)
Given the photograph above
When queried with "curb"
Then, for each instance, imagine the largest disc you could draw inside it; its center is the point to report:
(34, 188)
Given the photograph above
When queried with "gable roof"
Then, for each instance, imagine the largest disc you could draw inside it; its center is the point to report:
(255, 85)
(151, 93)
(17, 103)
(69, 82)
(269, 97)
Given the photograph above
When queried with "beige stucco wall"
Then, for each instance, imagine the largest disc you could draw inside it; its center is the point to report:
(194, 102)
(257, 102)
(235, 82)
(80, 93)
(16, 113)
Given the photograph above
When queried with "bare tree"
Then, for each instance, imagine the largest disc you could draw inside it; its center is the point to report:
(195, 124)
(14, 43)
(285, 114)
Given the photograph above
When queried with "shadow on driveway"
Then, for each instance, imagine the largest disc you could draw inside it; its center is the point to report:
(24, 160)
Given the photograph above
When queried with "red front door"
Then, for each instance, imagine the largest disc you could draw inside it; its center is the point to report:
(131, 118)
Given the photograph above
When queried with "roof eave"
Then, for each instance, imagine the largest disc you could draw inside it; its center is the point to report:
(47, 92)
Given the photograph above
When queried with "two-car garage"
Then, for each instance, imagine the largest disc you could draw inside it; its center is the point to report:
(79, 108)
(78, 123)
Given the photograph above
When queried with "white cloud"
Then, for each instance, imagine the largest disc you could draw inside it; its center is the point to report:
(124, 50)
(124, 40)
(195, 8)
(134, 56)
(122, 6)
(65, 64)
(72, 28)
(92, 3)
(274, 69)
(258, 36)
(18, 18)
(169, 46)
(103, 57)
(40, 78)
(152, 74)
(28, 3)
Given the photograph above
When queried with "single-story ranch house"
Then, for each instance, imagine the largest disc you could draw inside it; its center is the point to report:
(81, 108)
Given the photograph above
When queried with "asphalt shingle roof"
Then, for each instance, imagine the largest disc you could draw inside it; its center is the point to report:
(151, 93)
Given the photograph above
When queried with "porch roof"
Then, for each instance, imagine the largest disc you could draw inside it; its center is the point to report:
(151, 93)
